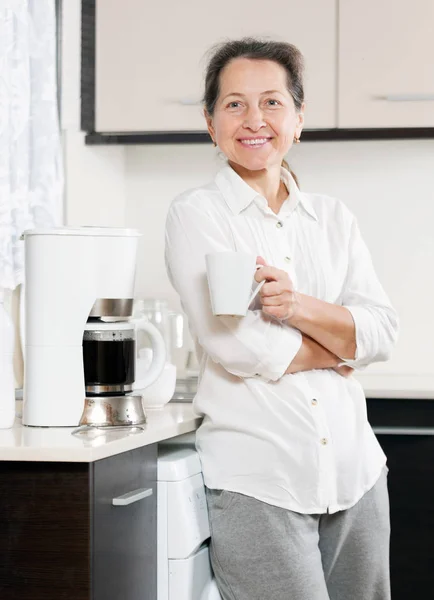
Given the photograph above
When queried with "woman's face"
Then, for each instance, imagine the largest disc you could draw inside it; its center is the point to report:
(255, 119)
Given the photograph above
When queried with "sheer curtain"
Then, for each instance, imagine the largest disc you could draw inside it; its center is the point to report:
(31, 178)
(31, 174)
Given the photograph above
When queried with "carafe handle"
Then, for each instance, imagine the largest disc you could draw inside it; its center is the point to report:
(176, 321)
(158, 352)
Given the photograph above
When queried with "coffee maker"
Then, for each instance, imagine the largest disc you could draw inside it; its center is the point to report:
(73, 276)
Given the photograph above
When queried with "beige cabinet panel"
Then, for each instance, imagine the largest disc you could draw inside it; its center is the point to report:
(150, 57)
(386, 63)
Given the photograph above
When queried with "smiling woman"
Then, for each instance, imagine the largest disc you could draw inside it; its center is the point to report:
(295, 477)
(254, 103)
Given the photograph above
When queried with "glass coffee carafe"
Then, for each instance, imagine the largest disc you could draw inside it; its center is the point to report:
(169, 323)
(110, 356)
(110, 361)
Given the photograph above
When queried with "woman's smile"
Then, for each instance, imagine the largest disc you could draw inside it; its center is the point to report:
(255, 119)
(254, 143)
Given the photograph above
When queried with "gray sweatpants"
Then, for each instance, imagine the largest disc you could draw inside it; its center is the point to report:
(263, 552)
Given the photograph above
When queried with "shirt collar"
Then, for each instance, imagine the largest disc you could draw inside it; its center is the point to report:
(239, 195)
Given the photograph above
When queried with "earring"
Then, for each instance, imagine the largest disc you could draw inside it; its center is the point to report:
(214, 143)
(296, 140)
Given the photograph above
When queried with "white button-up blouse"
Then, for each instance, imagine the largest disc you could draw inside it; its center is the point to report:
(299, 441)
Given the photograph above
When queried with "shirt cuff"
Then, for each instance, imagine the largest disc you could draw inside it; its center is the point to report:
(280, 351)
(363, 323)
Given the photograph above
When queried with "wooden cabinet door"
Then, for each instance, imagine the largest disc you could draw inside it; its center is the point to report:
(125, 533)
(150, 57)
(386, 63)
(44, 531)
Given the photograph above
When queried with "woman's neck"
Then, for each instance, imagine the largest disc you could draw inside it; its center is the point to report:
(266, 182)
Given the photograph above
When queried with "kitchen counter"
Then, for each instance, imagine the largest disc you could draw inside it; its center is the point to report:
(375, 385)
(417, 387)
(60, 444)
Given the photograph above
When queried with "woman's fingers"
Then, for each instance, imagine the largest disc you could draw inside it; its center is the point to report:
(272, 288)
(270, 273)
(277, 295)
(280, 312)
(275, 300)
(275, 288)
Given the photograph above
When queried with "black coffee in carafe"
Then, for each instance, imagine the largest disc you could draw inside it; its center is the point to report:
(108, 358)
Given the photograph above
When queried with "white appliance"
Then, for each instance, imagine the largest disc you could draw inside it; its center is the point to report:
(71, 274)
(184, 569)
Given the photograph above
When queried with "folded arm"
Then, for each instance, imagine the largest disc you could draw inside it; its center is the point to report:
(330, 325)
(365, 328)
(312, 355)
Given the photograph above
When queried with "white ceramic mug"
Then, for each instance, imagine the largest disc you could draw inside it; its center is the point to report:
(230, 277)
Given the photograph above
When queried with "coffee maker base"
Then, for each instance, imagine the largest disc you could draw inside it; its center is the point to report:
(105, 411)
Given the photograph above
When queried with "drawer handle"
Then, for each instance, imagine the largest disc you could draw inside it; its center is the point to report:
(404, 430)
(131, 497)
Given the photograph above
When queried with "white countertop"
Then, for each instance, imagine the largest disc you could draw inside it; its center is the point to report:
(389, 385)
(413, 387)
(58, 444)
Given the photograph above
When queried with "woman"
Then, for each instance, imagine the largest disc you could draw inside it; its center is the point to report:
(296, 480)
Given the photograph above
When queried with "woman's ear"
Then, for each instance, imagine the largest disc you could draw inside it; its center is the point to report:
(209, 124)
(300, 121)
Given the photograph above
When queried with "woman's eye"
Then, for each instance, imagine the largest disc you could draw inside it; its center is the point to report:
(233, 104)
(273, 102)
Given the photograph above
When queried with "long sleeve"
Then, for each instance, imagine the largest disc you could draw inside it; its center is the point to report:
(376, 321)
(249, 346)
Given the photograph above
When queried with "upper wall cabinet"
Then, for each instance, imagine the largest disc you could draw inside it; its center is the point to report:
(150, 57)
(386, 63)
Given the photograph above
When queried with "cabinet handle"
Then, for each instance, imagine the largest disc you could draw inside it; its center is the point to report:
(404, 430)
(131, 497)
(407, 97)
(189, 102)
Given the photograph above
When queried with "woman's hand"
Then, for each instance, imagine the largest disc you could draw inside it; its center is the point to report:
(278, 296)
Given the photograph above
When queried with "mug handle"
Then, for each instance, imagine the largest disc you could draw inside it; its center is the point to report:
(158, 352)
(257, 288)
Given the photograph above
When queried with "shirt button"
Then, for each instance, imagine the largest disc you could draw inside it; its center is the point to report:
(287, 258)
(314, 401)
(279, 224)
(324, 441)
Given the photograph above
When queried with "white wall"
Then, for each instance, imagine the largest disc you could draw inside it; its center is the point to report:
(154, 175)
(94, 176)
(389, 185)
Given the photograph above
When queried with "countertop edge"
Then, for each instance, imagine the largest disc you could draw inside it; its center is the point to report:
(156, 431)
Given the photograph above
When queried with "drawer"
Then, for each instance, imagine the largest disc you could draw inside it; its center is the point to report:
(124, 532)
(192, 578)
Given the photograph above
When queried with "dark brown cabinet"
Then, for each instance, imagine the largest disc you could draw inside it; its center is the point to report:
(405, 430)
(63, 538)
(411, 491)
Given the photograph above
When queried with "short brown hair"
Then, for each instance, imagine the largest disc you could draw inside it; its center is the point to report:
(286, 55)
(282, 53)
